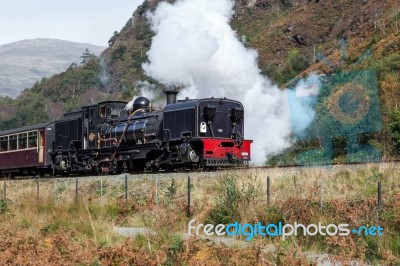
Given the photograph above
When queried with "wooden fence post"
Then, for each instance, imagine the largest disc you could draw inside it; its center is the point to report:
(188, 196)
(126, 187)
(37, 189)
(268, 191)
(5, 190)
(156, 199)
(379, 198)
(76, 188)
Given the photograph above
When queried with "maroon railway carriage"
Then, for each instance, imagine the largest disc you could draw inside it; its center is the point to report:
(25, 151)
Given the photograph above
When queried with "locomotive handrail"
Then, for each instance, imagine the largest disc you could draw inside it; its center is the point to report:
(129, 119)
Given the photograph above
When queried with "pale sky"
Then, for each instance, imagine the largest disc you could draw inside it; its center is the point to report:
(85, 21)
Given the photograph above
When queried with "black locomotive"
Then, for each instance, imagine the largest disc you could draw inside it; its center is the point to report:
(107, 138)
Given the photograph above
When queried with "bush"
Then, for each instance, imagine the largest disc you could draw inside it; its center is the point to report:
(387, 64)
(394, 128)
(170, 190)
(4, 206)
(226, 206)
(174, 249)
(225, 209)
(295, 63)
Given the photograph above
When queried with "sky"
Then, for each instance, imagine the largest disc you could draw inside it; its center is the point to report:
(85, 21)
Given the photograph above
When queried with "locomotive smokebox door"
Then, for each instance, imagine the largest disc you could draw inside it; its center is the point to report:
(203, 127)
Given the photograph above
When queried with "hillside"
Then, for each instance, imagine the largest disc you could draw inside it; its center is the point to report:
(292, 37)
(25, 62)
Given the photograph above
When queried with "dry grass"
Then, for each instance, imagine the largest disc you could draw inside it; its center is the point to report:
(81, 229)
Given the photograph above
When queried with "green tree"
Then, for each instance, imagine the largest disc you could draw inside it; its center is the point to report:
(294, 64)
(394, 128)
(32, 109)
(87, 56)
(113, 39)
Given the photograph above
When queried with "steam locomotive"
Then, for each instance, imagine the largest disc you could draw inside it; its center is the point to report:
(108, 138)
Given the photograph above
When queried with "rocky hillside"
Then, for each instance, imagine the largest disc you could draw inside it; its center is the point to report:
(25, 62)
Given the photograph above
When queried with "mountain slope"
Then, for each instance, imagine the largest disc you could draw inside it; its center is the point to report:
(25, 62)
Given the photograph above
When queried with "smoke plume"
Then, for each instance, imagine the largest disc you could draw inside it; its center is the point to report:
(196, 48)
(145, 89)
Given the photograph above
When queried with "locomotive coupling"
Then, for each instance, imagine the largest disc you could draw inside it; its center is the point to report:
(61, 162)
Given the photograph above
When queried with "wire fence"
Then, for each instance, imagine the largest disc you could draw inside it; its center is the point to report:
(274, 185)
(102, 189)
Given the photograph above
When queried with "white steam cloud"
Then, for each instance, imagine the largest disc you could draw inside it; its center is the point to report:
(145, 89)
(195, 47)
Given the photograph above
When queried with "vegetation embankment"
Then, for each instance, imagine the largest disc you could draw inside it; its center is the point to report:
(59, 228)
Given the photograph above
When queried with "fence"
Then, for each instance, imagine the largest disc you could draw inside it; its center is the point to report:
(100, 188)
(315, 184)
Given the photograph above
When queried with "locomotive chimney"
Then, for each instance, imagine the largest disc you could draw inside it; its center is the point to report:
(171, 96)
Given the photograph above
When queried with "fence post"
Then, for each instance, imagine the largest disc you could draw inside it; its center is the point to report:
(188, 196)
(156, 199)
(76, 187)
(320, 187)
(379, 198)
(101, 190)
(268, 191)
(37, 189)
(55, 190)
(5, 190)
(126, 187)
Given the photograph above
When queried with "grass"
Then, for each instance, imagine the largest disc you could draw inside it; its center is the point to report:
(60, 228)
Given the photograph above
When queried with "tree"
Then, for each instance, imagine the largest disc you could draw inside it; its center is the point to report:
(394, 128)
(87, 56)
(113, 39)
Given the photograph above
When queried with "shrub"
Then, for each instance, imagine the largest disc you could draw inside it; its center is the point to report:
(225, 208)
(175, 248)
(170, 190)
(4, 206)
(295, 63)
(394, 128)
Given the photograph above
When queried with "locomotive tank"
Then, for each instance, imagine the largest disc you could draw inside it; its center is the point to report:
(140, 125)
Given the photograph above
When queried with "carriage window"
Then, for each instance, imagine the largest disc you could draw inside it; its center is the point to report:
(3, 144)
(12, 142)
(32, 139)
(22, 141)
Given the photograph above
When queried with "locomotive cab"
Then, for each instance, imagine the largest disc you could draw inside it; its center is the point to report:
(96, 115)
